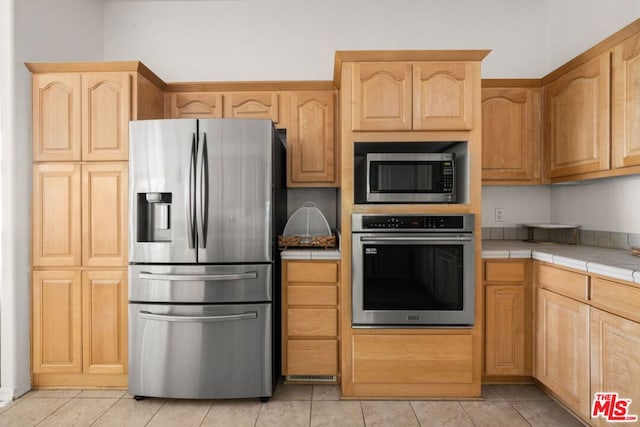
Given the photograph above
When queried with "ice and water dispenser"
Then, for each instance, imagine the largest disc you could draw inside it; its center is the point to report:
(154, 217)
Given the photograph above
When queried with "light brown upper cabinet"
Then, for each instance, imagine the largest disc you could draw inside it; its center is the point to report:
(626, 103)
(56, 117)
(81, 116)
(511, 135)
(577, 111)
(397, 96)
(252, 105)
(305, 109)
(311, 147)
(194, 105)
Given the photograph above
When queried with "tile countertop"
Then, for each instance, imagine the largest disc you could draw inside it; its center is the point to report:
(313, 254)
(615, 263)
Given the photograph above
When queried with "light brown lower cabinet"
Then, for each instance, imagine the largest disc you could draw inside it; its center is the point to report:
(562, 355)
(79, 333)
(615, 361)
(310, 319)
(508, 318)
(56, 322)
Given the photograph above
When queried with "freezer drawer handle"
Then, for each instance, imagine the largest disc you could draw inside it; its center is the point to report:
(194, 277)
(168, 318)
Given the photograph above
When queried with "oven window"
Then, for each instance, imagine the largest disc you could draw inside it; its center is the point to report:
(404, 177)
(412, 277)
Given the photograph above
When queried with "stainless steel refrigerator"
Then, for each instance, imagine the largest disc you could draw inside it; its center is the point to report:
(207, 200)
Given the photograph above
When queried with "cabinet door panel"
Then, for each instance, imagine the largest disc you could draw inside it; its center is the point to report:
(312, 357)
(382, 96)
(311, 147)
(56, 215)
(56, 317)
(194, 105)
(412, 359)
(56, 117)
(511, 132)
(106, 111)
(443, 95)
(562, 356)
(626, 103)
(251, 105)
(615, 366)
(505, 331)
(577, 119)
(104, 214)
(104, 319)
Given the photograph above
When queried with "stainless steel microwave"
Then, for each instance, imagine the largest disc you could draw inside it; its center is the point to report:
(405, 178)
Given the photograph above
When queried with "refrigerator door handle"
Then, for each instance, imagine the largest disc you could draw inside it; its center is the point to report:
(223, 318)
(190, 184)
(202, 192)
(198, 277)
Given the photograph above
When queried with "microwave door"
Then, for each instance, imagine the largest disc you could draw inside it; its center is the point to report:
(161, 191)
(234, 191)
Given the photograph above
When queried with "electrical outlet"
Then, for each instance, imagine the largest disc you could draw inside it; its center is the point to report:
(499, 215)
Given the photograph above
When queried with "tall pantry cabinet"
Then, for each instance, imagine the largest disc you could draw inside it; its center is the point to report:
(81, 116)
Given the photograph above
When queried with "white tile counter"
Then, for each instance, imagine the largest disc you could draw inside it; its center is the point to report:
(615, 263)
(314, 254)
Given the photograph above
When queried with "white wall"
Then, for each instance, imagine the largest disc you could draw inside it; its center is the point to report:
(573, 26)
(295, 40)
(64, 30)
(520, 204)
(611, 204)
(6, 55)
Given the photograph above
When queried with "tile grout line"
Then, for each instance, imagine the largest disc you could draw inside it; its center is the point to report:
(105, 411)
(54, 411)
(156, 412)
(207, 413)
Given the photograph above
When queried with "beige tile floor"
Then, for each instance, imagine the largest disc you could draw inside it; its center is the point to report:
(291, 406)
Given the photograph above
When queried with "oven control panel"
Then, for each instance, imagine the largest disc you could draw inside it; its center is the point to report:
(414, 222)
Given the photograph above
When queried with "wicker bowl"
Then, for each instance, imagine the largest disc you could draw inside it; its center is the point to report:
(635, 250)
(290, 242)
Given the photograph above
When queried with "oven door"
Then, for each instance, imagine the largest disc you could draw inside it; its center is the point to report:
(402, 279)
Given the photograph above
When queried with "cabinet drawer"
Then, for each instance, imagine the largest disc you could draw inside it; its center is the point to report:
(504, 271)
(312, 295)
(312, 272)
(312, 322)
(568, 283)
(312, 357)
(616, 298)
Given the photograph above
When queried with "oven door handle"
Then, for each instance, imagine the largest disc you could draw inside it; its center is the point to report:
(425, 239)
(169, 318)
(198, 277)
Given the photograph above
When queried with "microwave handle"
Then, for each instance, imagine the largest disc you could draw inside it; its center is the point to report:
(417, 239)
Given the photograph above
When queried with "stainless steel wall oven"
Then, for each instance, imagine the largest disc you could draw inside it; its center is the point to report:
(413, 270)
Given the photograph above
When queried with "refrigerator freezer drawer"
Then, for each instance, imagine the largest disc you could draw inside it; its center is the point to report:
(200, 283)
(200, 351)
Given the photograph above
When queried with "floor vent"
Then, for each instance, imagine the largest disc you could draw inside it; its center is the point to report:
(315, 378)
